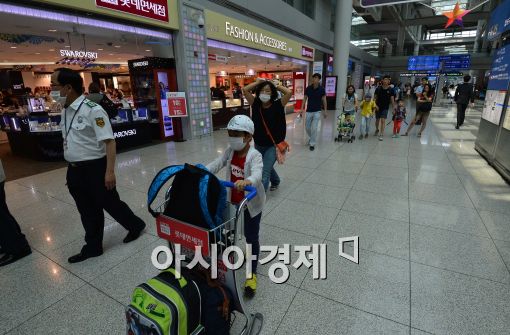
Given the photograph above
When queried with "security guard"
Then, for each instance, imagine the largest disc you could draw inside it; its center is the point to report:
(89, 147)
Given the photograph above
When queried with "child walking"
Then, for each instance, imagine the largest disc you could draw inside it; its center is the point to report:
(244, 168)
(399, 115)
(368, 108)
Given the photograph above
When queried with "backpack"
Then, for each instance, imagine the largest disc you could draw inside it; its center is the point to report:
(197, 196)
(165, 305)
(169, 306)
(217, 305)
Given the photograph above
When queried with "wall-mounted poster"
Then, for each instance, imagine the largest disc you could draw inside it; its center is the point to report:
(493, 107)
(299, 89)
(330, 86)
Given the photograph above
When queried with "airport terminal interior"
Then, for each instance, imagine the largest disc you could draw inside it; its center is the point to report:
(399, 227)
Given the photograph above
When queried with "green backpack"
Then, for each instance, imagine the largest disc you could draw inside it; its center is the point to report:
(165, 306)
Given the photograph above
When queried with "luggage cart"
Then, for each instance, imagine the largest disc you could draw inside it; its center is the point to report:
(227, 234)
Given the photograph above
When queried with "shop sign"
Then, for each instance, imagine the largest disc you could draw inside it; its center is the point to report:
(152, 9)
(124, 133)
(218, 58)
(141, 64)
(78, 54)
(230, 30)
(258, 38)
(307, 52)
(177, 104)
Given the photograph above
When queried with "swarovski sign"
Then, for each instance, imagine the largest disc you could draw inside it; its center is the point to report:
(124, 133)
(78, 54)
(257, 38)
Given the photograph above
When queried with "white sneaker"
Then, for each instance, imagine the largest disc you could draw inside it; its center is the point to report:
(380, 138)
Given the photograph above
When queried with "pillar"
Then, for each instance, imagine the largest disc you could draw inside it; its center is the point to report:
(401, 38)
(342, 46)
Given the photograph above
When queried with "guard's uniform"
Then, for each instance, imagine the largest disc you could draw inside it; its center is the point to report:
(85, 125)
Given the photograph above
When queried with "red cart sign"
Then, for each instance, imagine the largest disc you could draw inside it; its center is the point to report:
(188, 236)
(152, 9)
(177, 104)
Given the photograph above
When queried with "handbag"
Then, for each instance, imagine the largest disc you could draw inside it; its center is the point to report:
(281, 148)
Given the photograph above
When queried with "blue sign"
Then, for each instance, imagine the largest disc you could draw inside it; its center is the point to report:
(455, 62)
(499, 77)
(500, 21)
(423, 63)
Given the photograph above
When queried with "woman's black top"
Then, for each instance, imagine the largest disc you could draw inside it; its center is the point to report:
(275, 120)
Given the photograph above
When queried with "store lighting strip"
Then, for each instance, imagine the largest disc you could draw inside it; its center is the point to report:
(43, 14)
(248, 51)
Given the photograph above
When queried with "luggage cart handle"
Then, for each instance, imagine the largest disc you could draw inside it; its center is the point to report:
(252, 190)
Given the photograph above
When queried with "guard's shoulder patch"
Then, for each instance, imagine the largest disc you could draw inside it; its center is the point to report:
(91, 104)
(100, 122)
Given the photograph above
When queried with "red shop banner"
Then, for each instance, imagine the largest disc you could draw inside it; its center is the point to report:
(177, 104)
(152, 9)
(186, 235)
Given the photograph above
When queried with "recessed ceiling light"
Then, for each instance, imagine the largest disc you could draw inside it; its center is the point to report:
(99, 49)
(37, 53)
(110, 54)
(52, 30)
(13, 47)
(67, 46)
(116, 46)
(148, 50)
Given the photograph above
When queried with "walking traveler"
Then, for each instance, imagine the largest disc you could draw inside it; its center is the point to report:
(244, 168)
(424, 106)
(268, 110)
(368, 108)
(13, 244)
(89, 148)
(315, 102)
(350, 104)
(384, 95)
(464, 94)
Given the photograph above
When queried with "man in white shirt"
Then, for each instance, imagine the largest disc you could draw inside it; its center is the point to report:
(89, 147)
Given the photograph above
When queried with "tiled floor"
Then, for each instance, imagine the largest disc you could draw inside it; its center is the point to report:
(433, 221)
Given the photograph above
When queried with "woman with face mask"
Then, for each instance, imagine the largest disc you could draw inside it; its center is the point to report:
(267, 108)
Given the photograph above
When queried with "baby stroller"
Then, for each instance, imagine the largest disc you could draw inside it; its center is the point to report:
(345, 128)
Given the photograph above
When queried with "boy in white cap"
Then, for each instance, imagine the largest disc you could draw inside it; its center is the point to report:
(244, 168)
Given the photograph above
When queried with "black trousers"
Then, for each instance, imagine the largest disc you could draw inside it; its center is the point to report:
(12, 240)
(86, 185)
(461, 114)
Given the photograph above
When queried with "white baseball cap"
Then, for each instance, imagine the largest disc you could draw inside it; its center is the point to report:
(241, 123)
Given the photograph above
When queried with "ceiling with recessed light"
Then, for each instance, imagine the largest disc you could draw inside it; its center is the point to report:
(240, 63)
(33, 41)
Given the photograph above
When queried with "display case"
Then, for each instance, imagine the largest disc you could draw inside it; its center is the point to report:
(225, 109)
(151, 79)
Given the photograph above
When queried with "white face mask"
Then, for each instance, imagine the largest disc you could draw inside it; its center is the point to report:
(236, 143)
(264, 97)
(55, 95)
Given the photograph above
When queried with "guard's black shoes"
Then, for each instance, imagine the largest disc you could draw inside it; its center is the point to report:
(83, 256)
(133, 235)
(457, 127)
(312, 148)
(11, 258)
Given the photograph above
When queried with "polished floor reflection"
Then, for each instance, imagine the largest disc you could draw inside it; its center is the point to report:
(432, 217)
